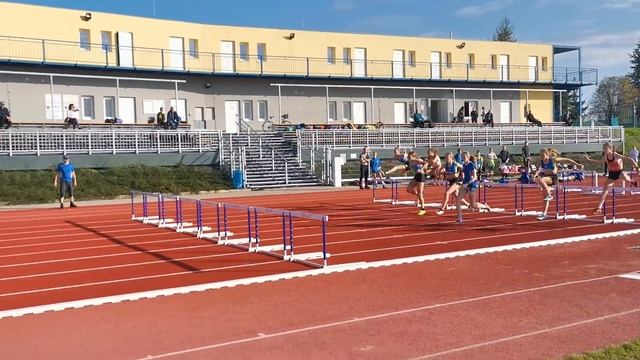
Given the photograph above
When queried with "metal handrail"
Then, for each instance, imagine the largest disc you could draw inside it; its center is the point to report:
(457, 136)
(242, 124)
(36, 50)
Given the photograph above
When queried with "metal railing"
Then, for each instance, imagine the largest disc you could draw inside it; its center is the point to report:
(52, 142)
(44, 51)
(461, 136)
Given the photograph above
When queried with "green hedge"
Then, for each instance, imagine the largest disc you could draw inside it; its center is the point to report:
(31, 187)
(628, 351)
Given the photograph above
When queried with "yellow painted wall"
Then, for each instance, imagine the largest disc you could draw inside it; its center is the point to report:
(540, 103)
(62, 24)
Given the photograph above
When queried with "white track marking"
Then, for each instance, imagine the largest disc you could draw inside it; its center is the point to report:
(377, 316)
(632, 276)
(529, 334)
(276, 277)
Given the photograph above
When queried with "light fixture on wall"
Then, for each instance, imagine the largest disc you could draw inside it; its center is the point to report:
(462, 45)
(86, 17)
(290, 36)
(207, 85)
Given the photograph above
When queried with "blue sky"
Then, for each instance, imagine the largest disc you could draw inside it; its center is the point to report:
(606, 29)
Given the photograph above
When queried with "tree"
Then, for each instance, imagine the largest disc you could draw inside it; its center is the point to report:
(634, 76)
(611, 95)
(505, 31)
(571, 103)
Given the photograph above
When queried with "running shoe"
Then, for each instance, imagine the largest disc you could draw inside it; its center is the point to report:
(542, 217)
(440, 212)
(459, 221)
(548, 198)
(422, 212)
(73, 205)
(61, 206)
(597, 211)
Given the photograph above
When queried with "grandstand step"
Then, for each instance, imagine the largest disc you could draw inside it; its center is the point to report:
(307, 256)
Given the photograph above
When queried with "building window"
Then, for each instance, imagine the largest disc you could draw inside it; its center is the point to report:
(346, 111)
(199, 114)
(333, 109)
(262, 52)
(247, 110)
(472, 61)
(109, 107)
(105, 36)
(545, 63)
(244, 51)
(346, 56)
(331, 55)
(448, 60)
(152, 107)
(263, 111)
(85, 39)
(193, 48)
(209, 113)
(87, 107)
(412, 58)
(494, 61)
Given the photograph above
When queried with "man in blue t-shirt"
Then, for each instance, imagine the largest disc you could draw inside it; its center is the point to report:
(66, 175)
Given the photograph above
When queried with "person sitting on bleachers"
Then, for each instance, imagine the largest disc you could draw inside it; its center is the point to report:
(420, 122)
(533, 120)
(173, 119)
(5, 116)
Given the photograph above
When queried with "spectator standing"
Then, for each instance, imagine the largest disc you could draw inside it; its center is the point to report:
(458, 157)
(567, 119)
(73, 114)
(488, 118)
(483, 114)
(364, 168)
(66, 177)
(491, 160)
(504, 156)
(173, 120)
(479, 162)
(474, 116)
(161, 118)
(633, 154)
(5, 116)
(460, 116)
(526, 155)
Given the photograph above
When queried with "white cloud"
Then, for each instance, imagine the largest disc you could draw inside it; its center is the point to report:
(482, 9)
(621, 4)
(343, 5)
(609, 49)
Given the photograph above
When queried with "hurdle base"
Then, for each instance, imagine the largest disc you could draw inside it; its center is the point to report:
(272, 248)
(570, 217)
(384, 201)
(241, 241)
(193, 230)
(405, 202)
(158, 222)
(306, 256)
(175, 225)
(618, 221)
(215, 235)
(528, 213)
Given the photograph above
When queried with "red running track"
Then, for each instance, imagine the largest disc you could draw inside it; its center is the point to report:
(538, 303)
(52, 255)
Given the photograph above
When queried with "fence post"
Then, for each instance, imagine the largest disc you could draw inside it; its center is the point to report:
(137, 142)
(308, 67)
(273, 160)
(162, 60)
(286, 173)
(179, 142)
(158, 140)
(64, 143)
(44, 58)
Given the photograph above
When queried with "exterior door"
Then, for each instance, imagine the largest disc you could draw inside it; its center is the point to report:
(436, 64)
(176, 53)
(360, 62)
(398, 64)
(505, 112)
(227, 55)
(127, 110)
(533, 68)
(399, 113)
(504, 67)
(231, 115)
(359, 112)
(125, 49)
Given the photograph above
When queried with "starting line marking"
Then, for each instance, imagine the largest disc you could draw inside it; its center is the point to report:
(300, 274)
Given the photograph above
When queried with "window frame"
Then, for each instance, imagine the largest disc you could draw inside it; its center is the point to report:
(331, 55)
(332, 105)
(346, 105)
(262, 103)
(243, 55)
(346, 55)
(244, 113)
(194, 53)
(472, 60)
(261, 51)
(85, 46)
(105, 107)
(109, 46)
(411, 58)
(83, 107)
(448, 60)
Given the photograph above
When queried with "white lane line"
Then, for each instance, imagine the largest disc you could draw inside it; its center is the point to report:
(276, 277)
(529, 334)
(632, 276)
(376, 316)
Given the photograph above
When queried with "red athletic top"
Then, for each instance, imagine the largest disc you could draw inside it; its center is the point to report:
(615, 164)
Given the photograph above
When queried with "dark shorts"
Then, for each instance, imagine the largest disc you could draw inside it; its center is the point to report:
(614, 175)
(67, 188)
(419, 177)
(454, 180)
